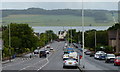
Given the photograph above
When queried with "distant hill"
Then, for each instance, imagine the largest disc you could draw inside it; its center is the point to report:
(99, 16)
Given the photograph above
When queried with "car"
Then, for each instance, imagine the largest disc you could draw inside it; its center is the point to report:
(70, 62)
(66, 44)
(48, 46)
(98, 53)
(65, 52)
(109, 58)
(69, 50)
(102, 56)
(51, 48)
(92, 54)
(75, 45)
(64, 48)
(87, 52)
(47, 51)
(42, 54)
(65, 56)
(36, 51)
(117, 61)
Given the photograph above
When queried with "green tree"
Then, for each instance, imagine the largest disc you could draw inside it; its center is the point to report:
(22, 36)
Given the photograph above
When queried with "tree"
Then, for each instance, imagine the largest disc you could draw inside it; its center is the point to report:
(115, 27)
(22, 36)
(101, 38)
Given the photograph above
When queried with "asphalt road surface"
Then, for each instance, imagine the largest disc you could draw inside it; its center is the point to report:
(92, 64)
(53, 62)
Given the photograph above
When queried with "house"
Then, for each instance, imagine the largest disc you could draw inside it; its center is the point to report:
(114, 39)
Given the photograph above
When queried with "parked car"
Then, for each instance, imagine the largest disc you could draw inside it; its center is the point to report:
(102, 56)
(117, 61)
(98, 54)
(42, 54)
(70, 62)
(109, 58)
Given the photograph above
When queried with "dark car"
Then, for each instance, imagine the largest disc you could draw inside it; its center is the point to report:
(43, 54)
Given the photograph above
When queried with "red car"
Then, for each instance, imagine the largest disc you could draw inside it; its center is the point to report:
(117, 61)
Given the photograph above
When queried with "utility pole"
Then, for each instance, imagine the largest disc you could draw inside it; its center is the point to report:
(68, 36)
(9, 42)
(95, 41)
(71, 35)
(83, 33)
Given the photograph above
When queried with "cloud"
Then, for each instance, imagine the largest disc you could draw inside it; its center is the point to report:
(60, 5)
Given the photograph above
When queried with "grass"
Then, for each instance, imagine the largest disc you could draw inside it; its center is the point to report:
(54, 20)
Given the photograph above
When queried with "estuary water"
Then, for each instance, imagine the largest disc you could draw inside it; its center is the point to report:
(56, 29)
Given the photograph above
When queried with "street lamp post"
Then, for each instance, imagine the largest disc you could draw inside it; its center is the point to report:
(9, 42)
(68, 36)
(95, 41)
(71, 35)
(83, 33)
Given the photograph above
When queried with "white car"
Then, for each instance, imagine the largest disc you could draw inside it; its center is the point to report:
(36, 51)
(65, 56)
(47, 51)
(109, 58)
(51, 48)
(98, 53)
(70, 62)
(48, 46)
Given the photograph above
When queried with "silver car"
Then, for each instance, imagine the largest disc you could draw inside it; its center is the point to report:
(70, 62)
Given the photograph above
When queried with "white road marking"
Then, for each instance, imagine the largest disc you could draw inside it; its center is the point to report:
(31, 65)
(47, 60)
(43, 65)
(18, 63)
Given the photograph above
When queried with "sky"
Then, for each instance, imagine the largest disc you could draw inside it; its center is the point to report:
(60, 4)
(59, 0)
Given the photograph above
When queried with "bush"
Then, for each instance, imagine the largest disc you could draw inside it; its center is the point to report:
(105, 48)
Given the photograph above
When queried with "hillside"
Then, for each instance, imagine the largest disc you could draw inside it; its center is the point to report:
(58, 17)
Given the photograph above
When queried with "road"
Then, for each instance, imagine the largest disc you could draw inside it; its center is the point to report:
(52, 63)
(92, 64)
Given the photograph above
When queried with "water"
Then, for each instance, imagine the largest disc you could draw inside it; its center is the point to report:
(41, 29)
